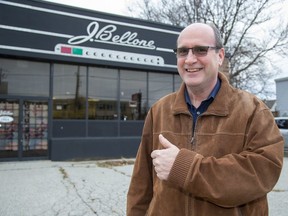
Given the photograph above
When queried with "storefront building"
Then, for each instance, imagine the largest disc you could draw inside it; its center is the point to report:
(281, 95)
(77, 84)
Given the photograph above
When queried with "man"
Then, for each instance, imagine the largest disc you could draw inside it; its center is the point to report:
(208, 149)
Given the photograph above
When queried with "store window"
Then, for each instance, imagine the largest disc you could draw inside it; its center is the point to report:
(102, 93)
(177, 82)
(159, 86)
(69, 92)
(133, 95)
(24, 78)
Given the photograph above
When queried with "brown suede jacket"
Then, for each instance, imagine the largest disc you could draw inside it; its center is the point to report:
(226, 168)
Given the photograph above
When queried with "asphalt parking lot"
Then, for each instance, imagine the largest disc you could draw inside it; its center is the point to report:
(86, 188)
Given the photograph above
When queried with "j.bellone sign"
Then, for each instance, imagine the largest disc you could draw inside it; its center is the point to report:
(50, 31)
(105, 34)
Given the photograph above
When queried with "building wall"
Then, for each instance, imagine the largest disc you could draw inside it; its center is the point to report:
(282, 96)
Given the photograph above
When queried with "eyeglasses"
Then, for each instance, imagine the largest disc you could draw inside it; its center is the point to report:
(198, 51)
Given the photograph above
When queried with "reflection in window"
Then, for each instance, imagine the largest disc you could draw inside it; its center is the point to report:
(133, 95)
(69, 93)
(19, 77)
(159, 86)
(102, 93)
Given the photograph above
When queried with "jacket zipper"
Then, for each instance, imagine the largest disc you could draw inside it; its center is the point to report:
(193, 134)
(192, 139)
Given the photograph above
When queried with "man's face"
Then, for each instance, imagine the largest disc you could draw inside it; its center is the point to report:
(199, 71)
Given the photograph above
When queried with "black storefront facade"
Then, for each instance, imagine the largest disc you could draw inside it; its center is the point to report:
(77, 84)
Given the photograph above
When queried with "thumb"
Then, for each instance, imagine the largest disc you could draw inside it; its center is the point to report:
(165, 143)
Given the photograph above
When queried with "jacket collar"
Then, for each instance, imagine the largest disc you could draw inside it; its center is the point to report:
(218, 107)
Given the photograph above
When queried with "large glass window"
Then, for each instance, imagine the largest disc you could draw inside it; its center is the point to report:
(69, 92)
(159, 86)
(102, 93)
(27, 78)
(133, 95)
(177, 82)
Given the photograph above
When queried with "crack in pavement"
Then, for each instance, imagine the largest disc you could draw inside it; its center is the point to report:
(69, 181)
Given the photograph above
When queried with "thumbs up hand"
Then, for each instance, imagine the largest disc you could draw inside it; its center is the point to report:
(163, 159)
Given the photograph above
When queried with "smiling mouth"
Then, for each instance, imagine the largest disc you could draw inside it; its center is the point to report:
(193, 70)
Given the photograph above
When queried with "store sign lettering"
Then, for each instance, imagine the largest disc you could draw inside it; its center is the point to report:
(107, 34)
(5, 113)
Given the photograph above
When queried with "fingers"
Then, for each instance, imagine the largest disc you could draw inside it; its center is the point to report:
(159, 169)
(155, 153)
(164, 158)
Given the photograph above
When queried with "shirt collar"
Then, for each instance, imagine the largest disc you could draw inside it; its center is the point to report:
(211, 95)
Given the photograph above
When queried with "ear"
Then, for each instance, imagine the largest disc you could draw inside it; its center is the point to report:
(221, 56)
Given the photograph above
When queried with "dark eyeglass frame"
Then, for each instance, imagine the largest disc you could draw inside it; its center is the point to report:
(198, 51)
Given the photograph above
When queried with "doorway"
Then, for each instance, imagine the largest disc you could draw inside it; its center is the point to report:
(23, 128)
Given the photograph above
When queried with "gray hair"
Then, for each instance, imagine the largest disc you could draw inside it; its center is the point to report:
(217, 34)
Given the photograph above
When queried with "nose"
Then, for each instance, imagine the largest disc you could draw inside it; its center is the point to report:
(190, 58)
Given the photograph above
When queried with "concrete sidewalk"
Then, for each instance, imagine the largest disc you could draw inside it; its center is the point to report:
(87, 188)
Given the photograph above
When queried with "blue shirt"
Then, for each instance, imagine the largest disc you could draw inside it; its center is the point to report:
(204, 104)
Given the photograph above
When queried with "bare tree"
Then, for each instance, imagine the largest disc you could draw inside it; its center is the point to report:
(252, 30)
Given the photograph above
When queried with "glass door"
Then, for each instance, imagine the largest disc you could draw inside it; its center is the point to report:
(34, 137)
(9, 128)
(23, 128)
